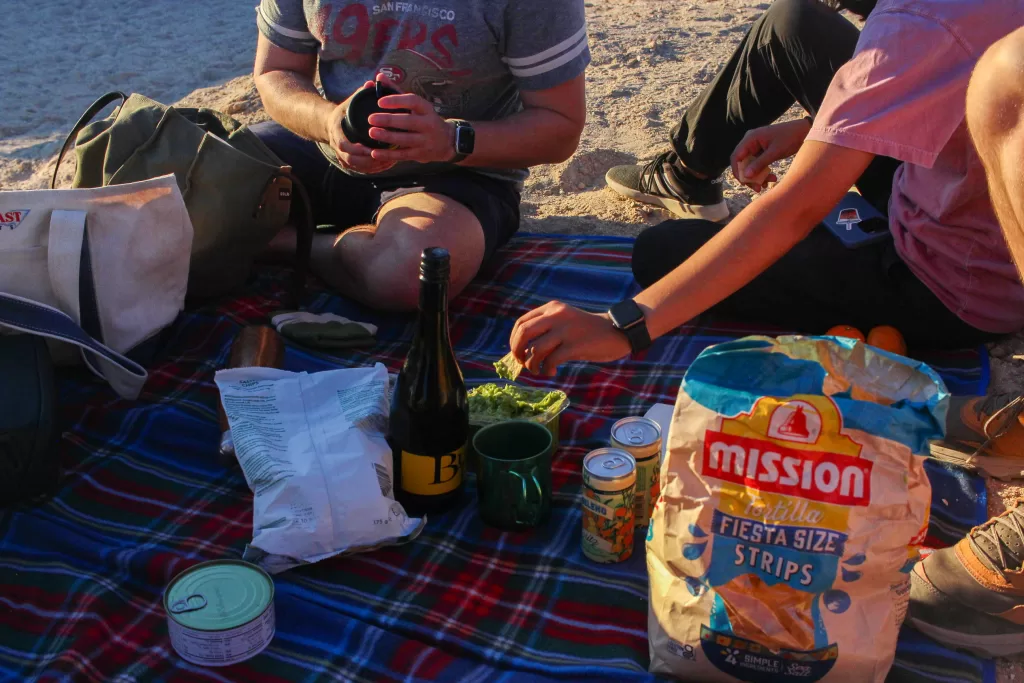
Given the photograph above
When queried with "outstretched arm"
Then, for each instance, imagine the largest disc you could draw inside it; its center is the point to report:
(768, 228)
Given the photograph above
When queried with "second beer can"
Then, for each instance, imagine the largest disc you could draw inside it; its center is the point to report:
(641, 438)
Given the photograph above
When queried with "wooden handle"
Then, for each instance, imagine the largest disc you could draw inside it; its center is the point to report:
(257, 346)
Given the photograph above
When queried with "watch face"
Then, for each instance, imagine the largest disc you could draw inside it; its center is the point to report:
(625, 314)
(465, 139)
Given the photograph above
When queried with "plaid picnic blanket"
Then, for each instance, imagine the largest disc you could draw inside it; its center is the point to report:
(82, 575)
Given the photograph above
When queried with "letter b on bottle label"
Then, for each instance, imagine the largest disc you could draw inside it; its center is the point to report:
(427, 475)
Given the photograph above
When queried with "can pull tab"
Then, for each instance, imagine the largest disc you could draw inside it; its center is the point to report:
(189, 604)
(636, 435)
(615, 462)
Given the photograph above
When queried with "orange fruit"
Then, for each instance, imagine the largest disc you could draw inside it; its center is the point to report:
(846, 331)
(888, 338)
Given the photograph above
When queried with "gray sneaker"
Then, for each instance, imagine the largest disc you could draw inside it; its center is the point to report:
(971, 596)
(663, 184)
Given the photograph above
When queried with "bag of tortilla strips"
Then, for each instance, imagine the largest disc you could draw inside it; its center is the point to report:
(793, 500)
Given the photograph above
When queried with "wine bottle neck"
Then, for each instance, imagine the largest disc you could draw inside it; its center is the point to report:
(433, 318)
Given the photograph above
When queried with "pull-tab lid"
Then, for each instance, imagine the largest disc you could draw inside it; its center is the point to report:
(641, 435)
(218, 595)
(609, 469)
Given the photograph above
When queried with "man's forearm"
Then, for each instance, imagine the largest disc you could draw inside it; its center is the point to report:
(293, 101)
(528, 138)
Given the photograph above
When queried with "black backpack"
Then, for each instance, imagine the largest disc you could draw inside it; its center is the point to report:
(28, 431)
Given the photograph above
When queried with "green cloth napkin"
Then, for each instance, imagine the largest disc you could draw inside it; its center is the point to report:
(324, 331)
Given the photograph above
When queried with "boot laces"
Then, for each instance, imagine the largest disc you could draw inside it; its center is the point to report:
(1006, 408)
(1010, 520)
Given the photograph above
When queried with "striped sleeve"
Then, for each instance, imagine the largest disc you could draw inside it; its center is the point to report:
(283, 22)
(546, 42)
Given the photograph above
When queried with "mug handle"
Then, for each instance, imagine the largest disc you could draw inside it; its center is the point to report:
(526, 495)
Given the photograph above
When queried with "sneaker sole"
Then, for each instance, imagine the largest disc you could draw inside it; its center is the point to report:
(710, 212)
(996, 467)
(1005, 645)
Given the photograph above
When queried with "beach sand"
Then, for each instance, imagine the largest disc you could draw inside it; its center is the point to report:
(649, 60)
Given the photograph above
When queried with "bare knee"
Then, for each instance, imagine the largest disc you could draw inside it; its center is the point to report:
(995, 95)
(793, 20)
(407, 226)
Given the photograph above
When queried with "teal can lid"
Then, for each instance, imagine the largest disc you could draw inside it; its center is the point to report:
(219, 595)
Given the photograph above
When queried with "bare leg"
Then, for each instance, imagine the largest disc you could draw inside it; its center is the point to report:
(379, 265)
(995, 117)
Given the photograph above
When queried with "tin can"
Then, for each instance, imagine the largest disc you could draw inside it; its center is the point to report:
(220, 613)
(641, 438)
(609, 488)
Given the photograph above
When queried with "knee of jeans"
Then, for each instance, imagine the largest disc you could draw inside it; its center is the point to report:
(791, 20)
(648, 258)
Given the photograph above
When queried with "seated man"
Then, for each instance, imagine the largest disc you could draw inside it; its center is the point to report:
(893, 93)
(514, 70)
(971, 596)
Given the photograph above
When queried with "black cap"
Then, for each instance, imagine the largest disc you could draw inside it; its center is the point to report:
(435, 264)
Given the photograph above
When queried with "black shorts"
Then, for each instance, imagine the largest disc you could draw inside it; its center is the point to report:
(345, 201)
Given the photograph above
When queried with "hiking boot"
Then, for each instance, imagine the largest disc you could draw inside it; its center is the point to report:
(663, 183)
(971, 596)
(985, 433)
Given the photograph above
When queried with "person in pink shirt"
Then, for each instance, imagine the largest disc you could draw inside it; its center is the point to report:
(885, 113)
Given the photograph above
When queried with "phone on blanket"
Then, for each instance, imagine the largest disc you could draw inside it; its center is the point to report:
(856, 223)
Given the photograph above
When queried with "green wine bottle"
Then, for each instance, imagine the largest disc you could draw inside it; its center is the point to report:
(429, 426)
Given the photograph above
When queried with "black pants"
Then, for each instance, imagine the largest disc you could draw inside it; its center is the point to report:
(790, 55)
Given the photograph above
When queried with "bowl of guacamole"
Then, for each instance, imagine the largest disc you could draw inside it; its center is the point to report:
(503, 400)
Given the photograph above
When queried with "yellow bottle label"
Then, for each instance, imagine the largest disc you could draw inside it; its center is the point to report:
(432, 475)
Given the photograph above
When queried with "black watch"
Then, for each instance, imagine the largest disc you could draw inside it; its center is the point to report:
(629, 319)
(465, 140)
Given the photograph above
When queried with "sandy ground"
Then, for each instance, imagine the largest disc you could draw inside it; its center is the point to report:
(649, 60)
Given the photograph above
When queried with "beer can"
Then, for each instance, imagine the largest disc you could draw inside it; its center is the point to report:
(609, 489)
(641, 438)
(220, 613)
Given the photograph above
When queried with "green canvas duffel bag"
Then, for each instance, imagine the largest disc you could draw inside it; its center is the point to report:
(237, 192)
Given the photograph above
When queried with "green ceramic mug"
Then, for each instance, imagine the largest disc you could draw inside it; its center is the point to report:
(514, 474)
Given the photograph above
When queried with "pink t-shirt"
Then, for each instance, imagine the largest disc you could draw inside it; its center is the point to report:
(903, 95)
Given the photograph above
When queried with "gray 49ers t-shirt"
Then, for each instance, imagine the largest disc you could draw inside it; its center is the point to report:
(470, 58)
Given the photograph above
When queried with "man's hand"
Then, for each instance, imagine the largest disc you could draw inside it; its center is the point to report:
(767, 145)
(352, 155)
(556, 333)
(422, 134)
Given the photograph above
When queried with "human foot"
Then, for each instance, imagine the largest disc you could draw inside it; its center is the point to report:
(662, 183)
(281, 248)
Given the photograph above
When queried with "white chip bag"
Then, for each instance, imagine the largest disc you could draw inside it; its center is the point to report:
(314, 453)
(793, 502)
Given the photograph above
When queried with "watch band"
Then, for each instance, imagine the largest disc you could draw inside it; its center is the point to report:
(628, 318)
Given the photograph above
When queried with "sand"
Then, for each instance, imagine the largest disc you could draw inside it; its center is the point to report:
(649, 60)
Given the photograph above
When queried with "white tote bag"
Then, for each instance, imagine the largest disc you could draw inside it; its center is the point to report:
(101, 269)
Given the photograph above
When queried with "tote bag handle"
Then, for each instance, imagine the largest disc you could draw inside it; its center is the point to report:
(71, 279)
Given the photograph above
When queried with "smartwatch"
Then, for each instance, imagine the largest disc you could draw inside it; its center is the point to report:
(465, 140)
(629, 319)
